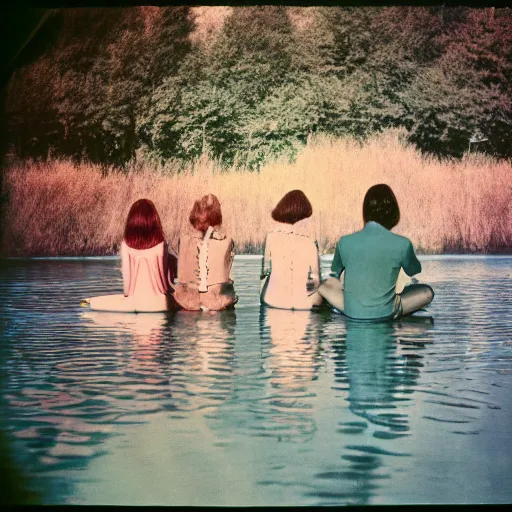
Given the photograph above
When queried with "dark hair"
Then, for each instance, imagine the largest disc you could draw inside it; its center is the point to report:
(380, 205)
(205, 213)
(294, 206)
(143, 228)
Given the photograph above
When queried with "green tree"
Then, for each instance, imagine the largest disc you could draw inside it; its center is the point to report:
(97, 79)
(478, 57)
(467, 89)
(210, 110)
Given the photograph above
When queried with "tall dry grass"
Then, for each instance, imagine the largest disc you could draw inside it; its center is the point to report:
(58, 208)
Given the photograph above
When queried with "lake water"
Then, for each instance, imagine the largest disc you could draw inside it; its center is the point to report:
(254, 406)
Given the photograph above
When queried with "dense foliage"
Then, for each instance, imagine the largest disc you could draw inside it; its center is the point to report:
(134, 83)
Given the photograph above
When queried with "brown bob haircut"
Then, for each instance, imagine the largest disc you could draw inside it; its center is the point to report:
(206, 212)
(294, 206)
(380, 205)
(143, 228)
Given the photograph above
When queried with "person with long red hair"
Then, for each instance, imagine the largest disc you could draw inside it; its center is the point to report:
(146, 265)
(205, 258)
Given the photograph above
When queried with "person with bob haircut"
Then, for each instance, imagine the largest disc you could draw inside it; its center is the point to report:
(146, 265)
(205, 258)
(372, 259)
(290, 269)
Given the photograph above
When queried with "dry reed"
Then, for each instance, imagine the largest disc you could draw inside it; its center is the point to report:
(58, 208)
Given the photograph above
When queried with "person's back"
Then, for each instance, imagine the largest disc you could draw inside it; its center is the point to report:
(145, 277)
(145, 265)
(219, 258)
(372, 259)
(292, 257)
(204, 262)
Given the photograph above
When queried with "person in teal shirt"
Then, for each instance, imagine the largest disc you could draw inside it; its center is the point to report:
(372, 259)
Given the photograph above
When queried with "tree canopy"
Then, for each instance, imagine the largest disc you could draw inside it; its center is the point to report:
(125, 83)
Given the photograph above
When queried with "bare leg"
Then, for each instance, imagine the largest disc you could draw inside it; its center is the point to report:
(415, 297)
(332, 291)
(316, 299)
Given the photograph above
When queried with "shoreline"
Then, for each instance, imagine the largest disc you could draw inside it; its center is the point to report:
(323, 257)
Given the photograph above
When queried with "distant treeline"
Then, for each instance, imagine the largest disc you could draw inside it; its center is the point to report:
(117, 85)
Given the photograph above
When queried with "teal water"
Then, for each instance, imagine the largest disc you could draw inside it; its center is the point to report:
(254, 406)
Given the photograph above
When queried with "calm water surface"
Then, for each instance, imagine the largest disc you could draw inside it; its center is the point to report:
(254, 406)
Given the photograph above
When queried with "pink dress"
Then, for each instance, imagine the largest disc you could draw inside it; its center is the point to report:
(146, 277)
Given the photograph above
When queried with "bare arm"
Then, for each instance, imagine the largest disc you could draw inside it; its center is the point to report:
(266, 264)
(231, 257)
(315, 266)
(172, 265)
(125, 268)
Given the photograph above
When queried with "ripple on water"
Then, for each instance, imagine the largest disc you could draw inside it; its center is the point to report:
(335, 409)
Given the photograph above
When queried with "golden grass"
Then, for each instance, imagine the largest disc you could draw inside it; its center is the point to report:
(58, 208)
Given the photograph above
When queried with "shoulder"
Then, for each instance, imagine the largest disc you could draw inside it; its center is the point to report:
(311, 242)
(401, 241)
(158, 246)
(123, 250)
(185, 236)
(227, 241)
(348, 239)
(271, 235)
(186, 239)
(219, 234)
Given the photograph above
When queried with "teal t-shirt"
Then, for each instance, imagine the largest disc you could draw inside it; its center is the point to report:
(371, 259)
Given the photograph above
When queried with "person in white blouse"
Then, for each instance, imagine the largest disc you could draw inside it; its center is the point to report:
(291, 268)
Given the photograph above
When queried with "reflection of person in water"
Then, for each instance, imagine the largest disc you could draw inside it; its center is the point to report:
(143, 338)
(65, 403)
(293, 348)
(158, 351)
(380, 378)
(210, 340)
(377, 370)
(293, 361)
(184, 360)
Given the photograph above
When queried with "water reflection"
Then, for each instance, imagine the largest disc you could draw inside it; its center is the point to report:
(184, 359)
(254, 406)
(205, 377)
(380, 376)
(293, 347)
(67, 399)
(292, 353)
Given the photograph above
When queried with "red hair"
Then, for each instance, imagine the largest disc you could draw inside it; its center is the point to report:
(143, 228)
(205, 213)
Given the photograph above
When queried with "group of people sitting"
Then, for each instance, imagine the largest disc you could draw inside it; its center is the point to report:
(198, 275)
